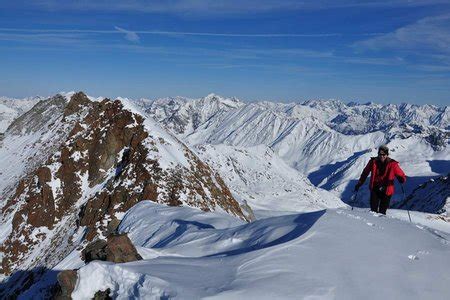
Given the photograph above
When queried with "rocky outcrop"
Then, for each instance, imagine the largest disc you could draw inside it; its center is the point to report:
(67, 280)
(102, 295)
(111, 159)
(95, 250)
(118, 248)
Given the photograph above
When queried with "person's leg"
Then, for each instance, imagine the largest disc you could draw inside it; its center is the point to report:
(374, 201)
(384, 203)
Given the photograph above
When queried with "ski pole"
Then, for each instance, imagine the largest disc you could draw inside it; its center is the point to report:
(355, 196)
(403, 190)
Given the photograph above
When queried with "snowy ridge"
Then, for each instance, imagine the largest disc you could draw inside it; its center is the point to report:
(182, 115)
(11, 108)
(299, 255)
(304, 144)
(356, 118)
(30, 140)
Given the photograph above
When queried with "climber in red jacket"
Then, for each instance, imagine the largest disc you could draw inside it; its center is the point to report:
(384, 170)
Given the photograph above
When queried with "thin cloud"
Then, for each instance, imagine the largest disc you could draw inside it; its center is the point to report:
(43, 38)
(396, 61)
(89, 38)
(433, 68)
(425, 44)
(431, 33)
(129, 35)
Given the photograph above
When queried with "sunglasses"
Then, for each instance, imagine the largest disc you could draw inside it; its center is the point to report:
(382, 154)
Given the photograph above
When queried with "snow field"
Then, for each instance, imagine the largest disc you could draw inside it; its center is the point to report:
(330, 254)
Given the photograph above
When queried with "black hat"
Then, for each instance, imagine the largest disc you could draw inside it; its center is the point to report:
(384, 148)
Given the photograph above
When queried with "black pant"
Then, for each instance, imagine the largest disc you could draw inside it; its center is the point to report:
(379, 201)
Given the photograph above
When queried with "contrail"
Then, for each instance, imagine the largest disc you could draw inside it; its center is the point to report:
(156, 32)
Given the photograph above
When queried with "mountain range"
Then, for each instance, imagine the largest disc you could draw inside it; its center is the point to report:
(77, 173)
(326, 140)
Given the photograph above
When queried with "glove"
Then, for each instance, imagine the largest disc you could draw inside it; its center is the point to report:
(357, 186)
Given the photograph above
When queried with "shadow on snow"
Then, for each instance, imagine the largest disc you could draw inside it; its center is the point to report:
(303, 223)
(38, 283)
(324, 171)
(183, 226)
(439, 166)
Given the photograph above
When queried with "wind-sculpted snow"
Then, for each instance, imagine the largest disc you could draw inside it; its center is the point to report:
(324, 254)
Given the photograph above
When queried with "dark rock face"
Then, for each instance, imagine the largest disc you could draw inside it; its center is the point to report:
(99, 171)
(118, 248)
(95, 251)
(76, 103)
(67, 280)
(102, 295)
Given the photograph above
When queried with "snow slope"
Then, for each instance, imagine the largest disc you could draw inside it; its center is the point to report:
(325, 254)
(29, 141)
(258, 177)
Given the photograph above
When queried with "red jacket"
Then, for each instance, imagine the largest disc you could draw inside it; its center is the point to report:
(392, 170)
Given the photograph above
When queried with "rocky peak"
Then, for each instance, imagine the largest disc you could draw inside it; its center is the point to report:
(76, 103)
(111, 159)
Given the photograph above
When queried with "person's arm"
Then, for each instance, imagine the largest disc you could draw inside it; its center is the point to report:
(364, 174)
(401, 177)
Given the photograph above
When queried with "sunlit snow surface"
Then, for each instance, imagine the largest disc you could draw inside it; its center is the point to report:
(328, 254)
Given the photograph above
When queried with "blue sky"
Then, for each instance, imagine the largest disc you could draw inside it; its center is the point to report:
(381, 51)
